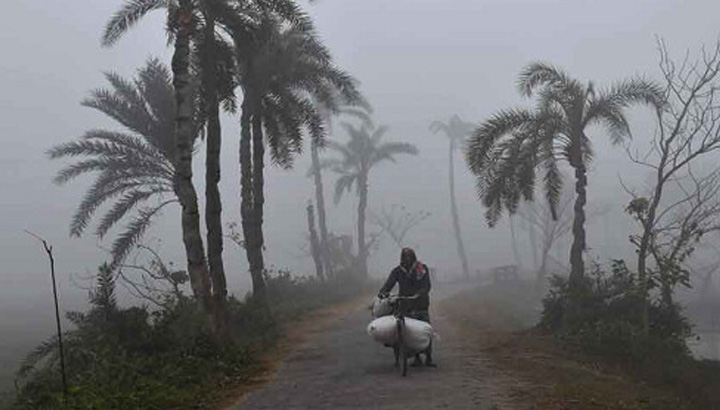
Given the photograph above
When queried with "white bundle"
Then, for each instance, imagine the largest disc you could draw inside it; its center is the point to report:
(383, 330)
(381, 307)
(417, 334)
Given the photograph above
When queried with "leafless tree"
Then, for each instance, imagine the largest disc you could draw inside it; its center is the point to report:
(49, 251)
(539, 220)
(397, 222)
(149, 278)
(680, 225)
(688, 129)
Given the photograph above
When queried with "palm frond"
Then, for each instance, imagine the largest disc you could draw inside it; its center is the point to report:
(361, 114)
(120, 209)
(133, 166)
(635, 91)
(388, 151)
(540, 74)
(44, 350)
(133, 232)
(103, 296)
(607, 108)
(128, 15)
(105, 188)
(489, 132)
(611, 116)
(342, 185)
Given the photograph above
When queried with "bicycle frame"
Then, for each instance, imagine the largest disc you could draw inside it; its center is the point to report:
(400, 348)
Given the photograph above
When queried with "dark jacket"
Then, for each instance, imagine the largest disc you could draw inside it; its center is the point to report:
(410, 284)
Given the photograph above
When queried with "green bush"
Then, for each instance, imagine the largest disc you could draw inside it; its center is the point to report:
(603, 316)
(131, 358)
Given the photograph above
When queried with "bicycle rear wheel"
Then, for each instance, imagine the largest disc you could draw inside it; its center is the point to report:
(402, 348)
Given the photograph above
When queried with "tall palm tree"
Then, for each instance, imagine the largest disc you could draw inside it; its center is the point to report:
(357, 157)
(181, 24)
(457, 131)
(361, 112)
(134, 167)
(282, 70)
(507, 150)
(214, 60)
(202, 57)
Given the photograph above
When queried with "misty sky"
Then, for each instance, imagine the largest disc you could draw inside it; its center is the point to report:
(417, 61)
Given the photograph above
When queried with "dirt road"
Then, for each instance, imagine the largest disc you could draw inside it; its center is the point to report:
(338, 366)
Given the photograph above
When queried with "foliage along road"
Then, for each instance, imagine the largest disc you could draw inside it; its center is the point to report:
(337, 365)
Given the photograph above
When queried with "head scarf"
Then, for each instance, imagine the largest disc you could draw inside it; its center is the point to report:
(407, 258)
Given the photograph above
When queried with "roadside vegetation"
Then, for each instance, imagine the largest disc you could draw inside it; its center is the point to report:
(140, 358)
(616, 322)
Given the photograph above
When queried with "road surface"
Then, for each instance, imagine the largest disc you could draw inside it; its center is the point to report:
(338, 366)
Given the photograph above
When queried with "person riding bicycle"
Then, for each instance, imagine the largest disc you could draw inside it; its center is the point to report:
(413, 279)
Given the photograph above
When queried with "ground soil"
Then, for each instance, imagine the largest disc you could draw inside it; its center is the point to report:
(331, 363)
(488, 358)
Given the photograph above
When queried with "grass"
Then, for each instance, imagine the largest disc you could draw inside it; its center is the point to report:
(551, 374)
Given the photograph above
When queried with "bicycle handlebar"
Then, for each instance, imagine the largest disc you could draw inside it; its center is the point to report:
(397, 297)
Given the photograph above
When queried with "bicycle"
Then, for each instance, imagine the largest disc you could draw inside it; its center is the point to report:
(400, 349)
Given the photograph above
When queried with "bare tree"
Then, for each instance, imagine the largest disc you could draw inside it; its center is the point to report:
(538, 218)
(49, 251)
(149, 278)
(397, 222)
(688, 129)
(680, 225)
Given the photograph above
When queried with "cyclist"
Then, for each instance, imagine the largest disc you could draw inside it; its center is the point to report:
(413, 279)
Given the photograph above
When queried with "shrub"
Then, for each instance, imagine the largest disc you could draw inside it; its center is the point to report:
(131, 358)
(605, 317)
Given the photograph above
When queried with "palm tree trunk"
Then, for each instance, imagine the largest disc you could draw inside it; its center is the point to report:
(197, 267)
(246, 188)
(315, 243)
(320, 200)
(454, 211)
(255, 247)
(513, 238)
(213, 203)
(362, 206)
(577, 265)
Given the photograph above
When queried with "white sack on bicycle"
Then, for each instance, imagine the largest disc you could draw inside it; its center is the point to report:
(381, 307)
(417, 333)
(383, 330)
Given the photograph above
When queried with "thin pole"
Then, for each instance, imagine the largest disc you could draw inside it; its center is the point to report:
(48, 250)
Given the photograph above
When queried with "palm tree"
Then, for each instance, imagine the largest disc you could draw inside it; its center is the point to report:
(136, 166)
(181, 23)
(358, 156)
(215, 62)
(361, 112)
(200, 52)
(282, 70)
(456, 130)
(507, 150)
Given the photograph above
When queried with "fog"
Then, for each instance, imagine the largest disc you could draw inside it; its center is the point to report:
(417, 61)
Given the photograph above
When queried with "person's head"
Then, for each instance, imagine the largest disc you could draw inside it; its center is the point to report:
(407, 258)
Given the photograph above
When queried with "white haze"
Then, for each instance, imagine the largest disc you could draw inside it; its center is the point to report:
(417, 60)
